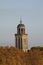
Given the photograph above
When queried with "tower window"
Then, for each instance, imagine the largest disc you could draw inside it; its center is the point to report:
(22, 31)
(19, 31)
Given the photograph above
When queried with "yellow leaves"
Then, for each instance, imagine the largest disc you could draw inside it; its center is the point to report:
(14, 56)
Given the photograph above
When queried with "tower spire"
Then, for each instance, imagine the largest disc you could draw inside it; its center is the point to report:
(20, 21)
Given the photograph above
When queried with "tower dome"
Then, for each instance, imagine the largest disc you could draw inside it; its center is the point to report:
(21, 28)
(20, 25)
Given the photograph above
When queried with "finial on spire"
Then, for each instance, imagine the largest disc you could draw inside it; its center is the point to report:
(20, 21)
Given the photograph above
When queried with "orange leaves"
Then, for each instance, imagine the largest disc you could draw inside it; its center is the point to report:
(14, 56)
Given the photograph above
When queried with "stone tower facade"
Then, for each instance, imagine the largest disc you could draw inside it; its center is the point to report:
(21, 38)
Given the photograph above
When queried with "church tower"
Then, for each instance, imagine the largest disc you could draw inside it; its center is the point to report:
(21, 38)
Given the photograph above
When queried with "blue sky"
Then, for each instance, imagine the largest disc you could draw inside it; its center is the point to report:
(31, 12)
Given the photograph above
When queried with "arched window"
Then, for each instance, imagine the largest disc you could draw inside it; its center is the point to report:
(19, 31)
(22, 31)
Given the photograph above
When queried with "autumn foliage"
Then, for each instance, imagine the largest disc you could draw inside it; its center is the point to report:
(14, 56)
